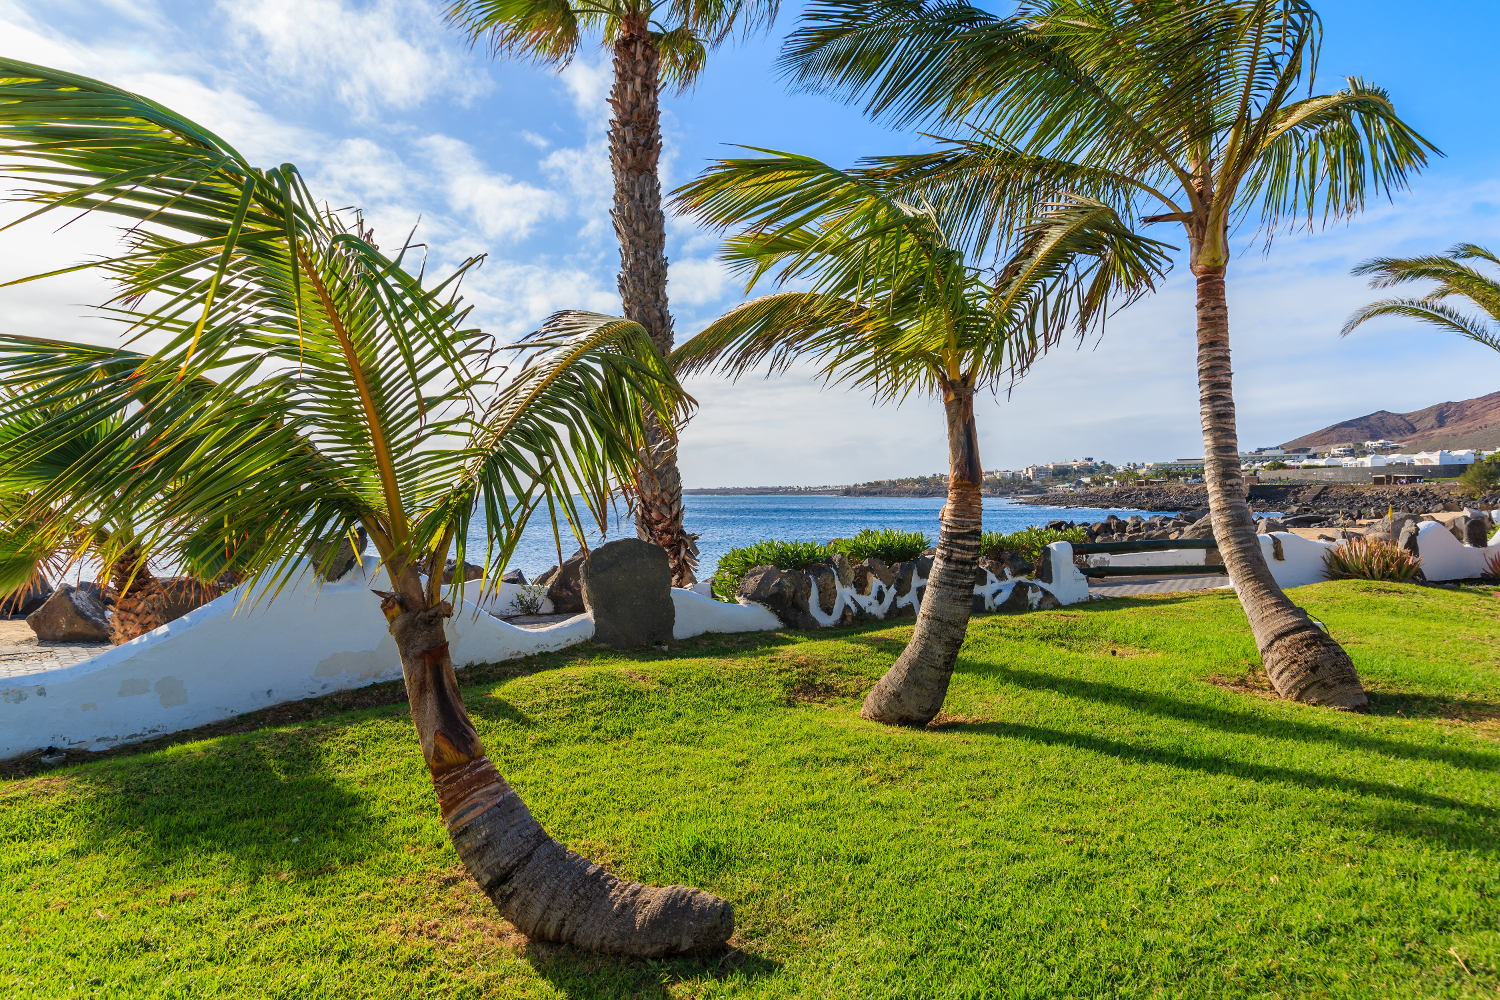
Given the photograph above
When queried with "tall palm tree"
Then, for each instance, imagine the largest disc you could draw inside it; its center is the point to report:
(1455, 279)
(896, 308)
(307, 384)
(656, 43)
(1198, 112)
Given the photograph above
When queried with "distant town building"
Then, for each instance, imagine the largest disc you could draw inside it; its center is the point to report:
(1179, 465)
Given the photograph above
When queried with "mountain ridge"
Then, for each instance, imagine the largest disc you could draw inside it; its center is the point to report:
(1468, 423)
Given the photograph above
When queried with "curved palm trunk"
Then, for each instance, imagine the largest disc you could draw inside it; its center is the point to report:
(140, 601)
(634, 149)
(1302, 661)
(547, 891)
(911, 693)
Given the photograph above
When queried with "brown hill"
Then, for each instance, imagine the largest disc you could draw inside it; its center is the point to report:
(1473, 423)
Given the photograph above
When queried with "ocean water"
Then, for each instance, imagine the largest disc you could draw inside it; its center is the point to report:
(726, 522)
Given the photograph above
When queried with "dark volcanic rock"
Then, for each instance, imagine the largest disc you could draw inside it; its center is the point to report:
(565, 585)
(514, 576)
(336, 556)
(186, 594)
(1408, 538)
(784, 592)
(471, 572)
(828, 586)
(70, 615)
(627, 586)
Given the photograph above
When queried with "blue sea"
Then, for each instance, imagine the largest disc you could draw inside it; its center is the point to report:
(726, 522)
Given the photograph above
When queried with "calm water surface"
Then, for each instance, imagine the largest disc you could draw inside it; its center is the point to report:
(727, 522)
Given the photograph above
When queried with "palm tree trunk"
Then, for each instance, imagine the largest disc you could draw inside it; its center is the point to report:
(634, 151)
(547, 891)
(911, 693)
(1302, 661)
(140, 601)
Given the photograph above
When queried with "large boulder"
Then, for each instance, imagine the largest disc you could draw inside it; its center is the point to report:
(1201, 528)
(471, 572)
(1408, 538)
(336, 556)
(565, 584)
(514, 576)
(1266, 525)
(70, 615)
(24, 600)
(785, 592)
(627, 586)
(1476, 531)
(186, 594)
(828, 586)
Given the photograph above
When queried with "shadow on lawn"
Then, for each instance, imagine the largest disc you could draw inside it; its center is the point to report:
(578, 973)
(267, 805)
(1305, 728)
(1477, 824)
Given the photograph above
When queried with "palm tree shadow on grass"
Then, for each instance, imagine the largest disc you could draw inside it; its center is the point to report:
(269, 803)
(1304, 727)
(1379, 805)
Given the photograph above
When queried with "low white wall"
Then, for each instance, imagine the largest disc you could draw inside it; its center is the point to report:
(697, 614)
(1163, 557)
(1444, 557)
(233, 656)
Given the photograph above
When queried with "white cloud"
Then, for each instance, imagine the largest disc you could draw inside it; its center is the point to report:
(497, 205)
(389, 53)
(540, 142)
(697, 282)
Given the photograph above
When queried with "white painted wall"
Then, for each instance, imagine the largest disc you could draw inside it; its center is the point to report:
(697, 614)
(234, 656)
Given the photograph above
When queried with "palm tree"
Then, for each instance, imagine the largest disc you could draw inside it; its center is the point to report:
(307, 384)
(1186, 111)
(896, 308)
(1455, 279)
(655, 43)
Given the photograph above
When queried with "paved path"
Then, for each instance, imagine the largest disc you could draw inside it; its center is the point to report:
(22, 653)
(1130, 586)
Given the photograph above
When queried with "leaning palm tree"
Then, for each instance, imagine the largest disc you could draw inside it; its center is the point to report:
(1455, 279)
(1186, 111)
(303, 384)
(655, 44)
(895, 308)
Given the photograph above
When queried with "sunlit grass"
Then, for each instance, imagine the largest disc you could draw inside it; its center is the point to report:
(1112, 806)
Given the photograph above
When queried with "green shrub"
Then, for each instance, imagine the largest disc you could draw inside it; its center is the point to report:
(889, 545)
(1368, 559)
(1029, 542)
(1483, 475)
(735, 563)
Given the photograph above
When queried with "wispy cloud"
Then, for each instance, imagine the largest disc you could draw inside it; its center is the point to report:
(387, 53)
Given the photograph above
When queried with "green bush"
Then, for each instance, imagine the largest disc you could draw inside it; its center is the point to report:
(1483, 475)
(1362, 559)
(735, 563)
(886, 544)
(1029, 542)
(889, 545)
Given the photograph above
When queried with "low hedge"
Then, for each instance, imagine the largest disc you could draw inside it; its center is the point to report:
(886, 544)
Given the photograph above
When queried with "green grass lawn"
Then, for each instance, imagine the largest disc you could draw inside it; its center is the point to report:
(1112, 806)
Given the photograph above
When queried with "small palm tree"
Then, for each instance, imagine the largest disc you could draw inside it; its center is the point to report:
(1455, 279)
(895, 308)
(655, 43)
(1184, 111)
(307, 384)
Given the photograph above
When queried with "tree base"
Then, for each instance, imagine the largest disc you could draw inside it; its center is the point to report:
(552, 894)
(1309, 666)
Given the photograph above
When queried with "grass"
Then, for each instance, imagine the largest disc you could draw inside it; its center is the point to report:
(1112, 806)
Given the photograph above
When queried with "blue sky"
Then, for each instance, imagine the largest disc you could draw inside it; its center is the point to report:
(382, 106)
